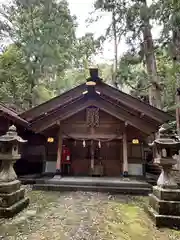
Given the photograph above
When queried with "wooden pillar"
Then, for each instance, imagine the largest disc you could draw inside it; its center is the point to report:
(92, 155)
(92, 130)
(125, 154)
(59, 152)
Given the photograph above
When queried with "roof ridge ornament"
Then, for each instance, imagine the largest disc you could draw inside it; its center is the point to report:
(94, 77)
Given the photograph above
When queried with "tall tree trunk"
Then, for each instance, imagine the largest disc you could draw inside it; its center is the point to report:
(31, 91)
(175, 48)
(155, 89)
(178, 111)
(176, 61)
(115, 49)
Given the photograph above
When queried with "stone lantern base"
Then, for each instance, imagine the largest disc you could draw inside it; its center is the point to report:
(165, 207)
(12, 199)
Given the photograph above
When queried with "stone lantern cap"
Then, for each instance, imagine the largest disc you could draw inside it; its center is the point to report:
(166, 139)
(166, 143)
(12, 136)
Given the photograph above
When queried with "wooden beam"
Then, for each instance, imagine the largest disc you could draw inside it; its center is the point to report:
(84, 125)
(125, 116)
(134, 103)
(61, 114)
(145, 118)
(71, 109)
(90, 137)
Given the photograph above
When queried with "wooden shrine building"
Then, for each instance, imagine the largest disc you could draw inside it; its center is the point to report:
(93, 129)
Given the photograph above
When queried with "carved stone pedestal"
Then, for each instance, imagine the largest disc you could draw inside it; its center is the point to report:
(12, 199)
(164, 202)
(164, 207)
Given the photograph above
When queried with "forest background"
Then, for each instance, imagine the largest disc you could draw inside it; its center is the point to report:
(42, 55)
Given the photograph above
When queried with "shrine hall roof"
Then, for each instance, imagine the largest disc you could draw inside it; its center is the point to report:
(12, 115)
(115, 102)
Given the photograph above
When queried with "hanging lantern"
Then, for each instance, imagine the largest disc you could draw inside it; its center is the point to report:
(50, 140)
(135, 141)
(84, 143)
(75, 143)
(99, 144)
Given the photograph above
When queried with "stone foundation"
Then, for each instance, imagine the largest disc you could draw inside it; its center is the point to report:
(12, 199)
(164, 220)
(166, 194)
(165, 207)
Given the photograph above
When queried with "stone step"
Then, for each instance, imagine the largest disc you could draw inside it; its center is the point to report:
(8, 199)
(163, 207)
(27, 181)
(110, 189)
(163, 220)
(14, 209)
(97, 182)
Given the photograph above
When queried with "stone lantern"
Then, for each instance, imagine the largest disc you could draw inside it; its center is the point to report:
(165, 147)
(164, 202)
(11, 195)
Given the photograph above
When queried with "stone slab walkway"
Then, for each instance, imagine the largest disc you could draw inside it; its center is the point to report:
(83, 216)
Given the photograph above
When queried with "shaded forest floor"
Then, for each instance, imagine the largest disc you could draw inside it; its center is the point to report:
(83, 216)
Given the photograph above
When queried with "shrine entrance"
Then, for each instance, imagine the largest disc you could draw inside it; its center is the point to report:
(94, 142)
(94, 158)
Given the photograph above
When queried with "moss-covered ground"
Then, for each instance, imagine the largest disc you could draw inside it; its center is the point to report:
(83, 216)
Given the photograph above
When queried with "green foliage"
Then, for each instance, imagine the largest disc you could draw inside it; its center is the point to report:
(43, 33)
(118, 9)
(135, 17)
(87, 46)
(134, 76)
(13, 78)
(166, 74)
(46, 58)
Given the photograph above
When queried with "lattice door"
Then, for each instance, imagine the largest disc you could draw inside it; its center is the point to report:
(92, 117)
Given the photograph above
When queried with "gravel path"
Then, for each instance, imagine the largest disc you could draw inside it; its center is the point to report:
(82, 216)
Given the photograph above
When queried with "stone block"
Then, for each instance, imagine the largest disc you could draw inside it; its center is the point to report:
(9, 187)
(166, 194)
(164, 207)
(110, 189)
(14, 209)
(8, 199)
(164, 220)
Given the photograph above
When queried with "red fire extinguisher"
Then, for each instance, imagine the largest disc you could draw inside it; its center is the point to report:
(65, 154)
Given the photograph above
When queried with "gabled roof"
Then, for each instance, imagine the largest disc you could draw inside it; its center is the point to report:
(116, 95)
(53, 103)
(84, 102)
(12, 115)
(134, 103)
(117, 103)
